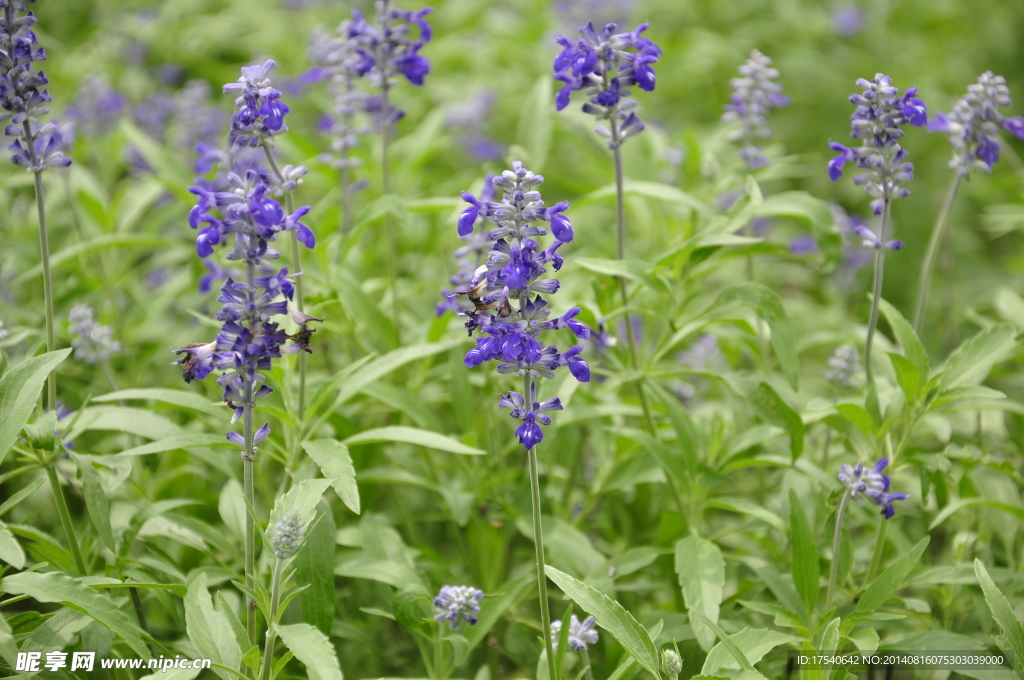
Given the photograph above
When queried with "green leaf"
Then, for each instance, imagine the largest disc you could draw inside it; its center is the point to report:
(612, 617)
(770, 406)
(59, 587)
(377, 369)
(314, 565)
(655, 190)
(178, 441)
(335, 464)
(19, 495)
(536, 123)
(701, 571)
(907, 338)
(413, 435)
(301, 498)
(380, 570)
(636, 271)
(769, 305)
(495, 608)
(748, 507)
(313, 649)
(208, 629)
(19, 391)
(907, 376)
(974, 358)
(882, 588)
(95, 499)
(140, 422)
(806, 565)
(962, 503)
(1003, 613)
(725, 640)
(231, 507)
(859, 416)
(10, 549)
(190, 400)
(753, 644)
(100, 242)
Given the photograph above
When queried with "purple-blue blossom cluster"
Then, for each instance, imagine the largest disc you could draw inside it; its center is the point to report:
(973, 125)
(864, 482)
(580, 634)
(91, 341)
(259, 111)
(470, 256)
(880, 114)
(604, 66)
(23, 94)
(241, 208)
(457, 603)
(507, 292)
(755, 94)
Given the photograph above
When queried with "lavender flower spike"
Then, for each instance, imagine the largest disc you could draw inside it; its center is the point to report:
(881, 113)
(507, 294)
(864, 482)
(973, 125)
(456, 604)
(259, 111)
(90, 341)
(754, 95)
(580, 634)
(605, 64)
(23, 94)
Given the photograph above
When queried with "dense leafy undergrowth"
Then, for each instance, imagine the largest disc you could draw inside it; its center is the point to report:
(719, 482)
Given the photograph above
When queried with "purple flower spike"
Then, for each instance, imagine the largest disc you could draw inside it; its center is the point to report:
(23, 94)
(605, 64)
(755, 94)
(880, 113)
(456, 604)
(861, 482)
(973, 125)
(504, 292)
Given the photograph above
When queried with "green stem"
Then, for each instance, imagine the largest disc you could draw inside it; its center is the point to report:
(586, 661)
(876, 558)
(538, 542)
(932, 254)
(438, 654)
(44, 249)
(389, 227)
(833, 575)
(65, 518)
(877, 294)
(275, 599)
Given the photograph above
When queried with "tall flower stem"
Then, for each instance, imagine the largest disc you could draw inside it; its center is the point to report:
(247, 474)
(389, 227)
(586, 661)
(876, 296)
(44, 250)
(275, 600)
(289, 203)
(538, 542)
(65, 518)
(932, 254)
(833, 575)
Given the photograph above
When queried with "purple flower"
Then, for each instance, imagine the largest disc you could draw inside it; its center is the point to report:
(847, 19)
(880, 113)
(605, 64)
(973, 125)
(23, 95)
(92, 343)
(755, 94)
(97, 106)
(259, 111)
(863, 482)
(456, 604)
(580, 634)
(506, 291)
